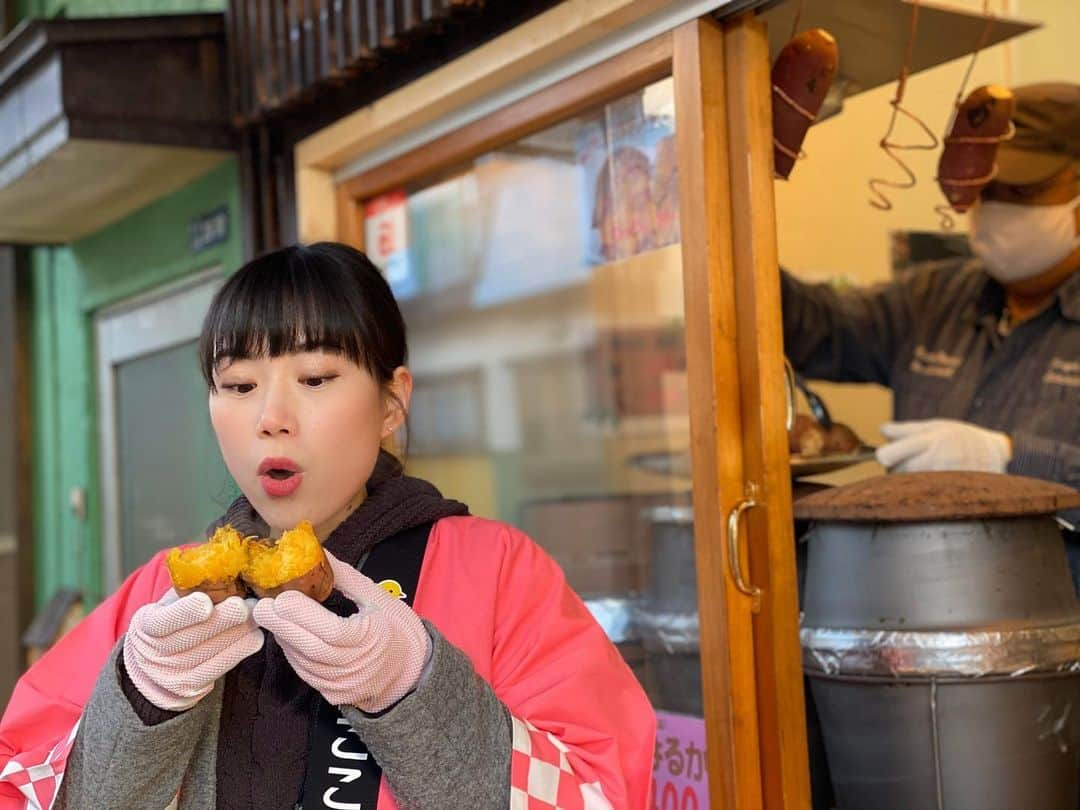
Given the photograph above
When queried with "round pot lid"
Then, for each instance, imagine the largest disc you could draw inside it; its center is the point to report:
(935, 496)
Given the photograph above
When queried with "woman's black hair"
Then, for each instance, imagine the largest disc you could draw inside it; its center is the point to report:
(303, 298)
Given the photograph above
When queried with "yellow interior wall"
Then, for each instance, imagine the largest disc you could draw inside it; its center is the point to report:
(468, 478)
(826, 227)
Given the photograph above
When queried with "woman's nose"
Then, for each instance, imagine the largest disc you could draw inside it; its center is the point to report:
(276, 417)
(272, 425)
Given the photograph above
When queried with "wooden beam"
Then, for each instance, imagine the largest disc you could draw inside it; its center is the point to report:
(317, 207)
(7, 16)
(86, 185)
(510, 58)
(24, 435)
(620, 75)
(350, 218)
(766, 464)
(251, 218)
(727, 645)
(267, 185)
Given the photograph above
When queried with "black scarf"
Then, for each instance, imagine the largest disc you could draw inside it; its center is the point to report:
(263, 739)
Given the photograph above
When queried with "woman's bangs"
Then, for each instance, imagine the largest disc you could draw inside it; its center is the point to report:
(277, 313)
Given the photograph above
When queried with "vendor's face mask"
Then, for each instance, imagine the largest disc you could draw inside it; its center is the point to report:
(1016, 241)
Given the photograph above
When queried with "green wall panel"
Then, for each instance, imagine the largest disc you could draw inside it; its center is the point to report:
(150, 247)
(113, 8)
(145, 250)
(46, 486)
(73, 423)
(62, 429)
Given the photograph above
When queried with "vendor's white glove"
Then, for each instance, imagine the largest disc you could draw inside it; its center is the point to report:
(176, 648)
(943, 444)
(369, 660)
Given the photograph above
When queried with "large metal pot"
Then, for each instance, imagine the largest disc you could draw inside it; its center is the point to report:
(941, 634)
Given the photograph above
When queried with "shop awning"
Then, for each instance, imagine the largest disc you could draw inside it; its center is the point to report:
(873, 35)
(99, 117)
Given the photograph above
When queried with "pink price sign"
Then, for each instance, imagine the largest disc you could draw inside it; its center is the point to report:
(680, 781)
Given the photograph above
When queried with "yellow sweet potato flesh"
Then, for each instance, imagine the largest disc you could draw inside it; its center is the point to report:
(219, 559)
(295, 554)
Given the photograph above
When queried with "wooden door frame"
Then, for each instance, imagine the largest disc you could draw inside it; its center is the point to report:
(730, 270)
(712, 360)
(752, 677)
(14, 265)
(766, 459)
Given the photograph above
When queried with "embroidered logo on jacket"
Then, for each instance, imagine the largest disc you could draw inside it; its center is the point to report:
(393, 587)
(1063, 372)
(934, 363)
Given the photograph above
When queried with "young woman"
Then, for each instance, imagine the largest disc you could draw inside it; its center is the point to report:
(451, 668)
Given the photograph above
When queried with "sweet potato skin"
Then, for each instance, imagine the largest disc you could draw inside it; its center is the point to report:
(217, 590)
(806, 437)
(804, 70)
(968, 159)
(809, 439)
(841, 439)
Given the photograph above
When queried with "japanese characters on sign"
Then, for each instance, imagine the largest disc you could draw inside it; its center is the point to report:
(386, 236)
(680, 781)
(208, 230)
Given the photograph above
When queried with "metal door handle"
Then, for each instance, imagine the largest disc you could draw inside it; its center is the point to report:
(744, 587)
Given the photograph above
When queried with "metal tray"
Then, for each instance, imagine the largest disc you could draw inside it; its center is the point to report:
(678, 463)
(801, 467)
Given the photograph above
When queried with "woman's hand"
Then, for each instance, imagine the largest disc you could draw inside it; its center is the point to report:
(369, 660)
(175, 649)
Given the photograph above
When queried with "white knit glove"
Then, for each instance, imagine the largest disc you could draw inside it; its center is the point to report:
(369, 660)
(943, 444)
(175, 649)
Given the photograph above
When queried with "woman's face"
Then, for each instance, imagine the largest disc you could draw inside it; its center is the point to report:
(300, 433)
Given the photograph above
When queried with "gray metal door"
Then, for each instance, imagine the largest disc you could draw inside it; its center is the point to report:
(162, 477)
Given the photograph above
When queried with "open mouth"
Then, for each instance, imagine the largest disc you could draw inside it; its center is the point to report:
(278, 482)
(279, 476)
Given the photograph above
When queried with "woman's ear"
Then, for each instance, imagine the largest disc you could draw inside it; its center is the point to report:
(399, 392)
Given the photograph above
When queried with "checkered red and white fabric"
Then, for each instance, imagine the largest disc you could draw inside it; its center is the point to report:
(37, 774)
(542, 777)
(40, 722)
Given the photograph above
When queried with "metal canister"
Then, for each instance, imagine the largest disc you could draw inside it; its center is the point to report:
(941, 634)
(666, 618)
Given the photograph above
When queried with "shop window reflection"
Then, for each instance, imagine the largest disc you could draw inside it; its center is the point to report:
(542, 288)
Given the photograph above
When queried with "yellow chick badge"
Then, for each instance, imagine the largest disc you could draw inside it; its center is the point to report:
(393, 587)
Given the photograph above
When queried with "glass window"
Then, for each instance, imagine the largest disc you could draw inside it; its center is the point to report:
(542, 288)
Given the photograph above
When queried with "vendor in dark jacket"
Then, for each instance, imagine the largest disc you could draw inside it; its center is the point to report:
(982, 355)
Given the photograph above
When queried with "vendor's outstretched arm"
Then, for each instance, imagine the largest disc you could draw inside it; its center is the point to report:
(848, 336)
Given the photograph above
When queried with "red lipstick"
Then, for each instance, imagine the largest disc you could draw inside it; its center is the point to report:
(279, 476)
